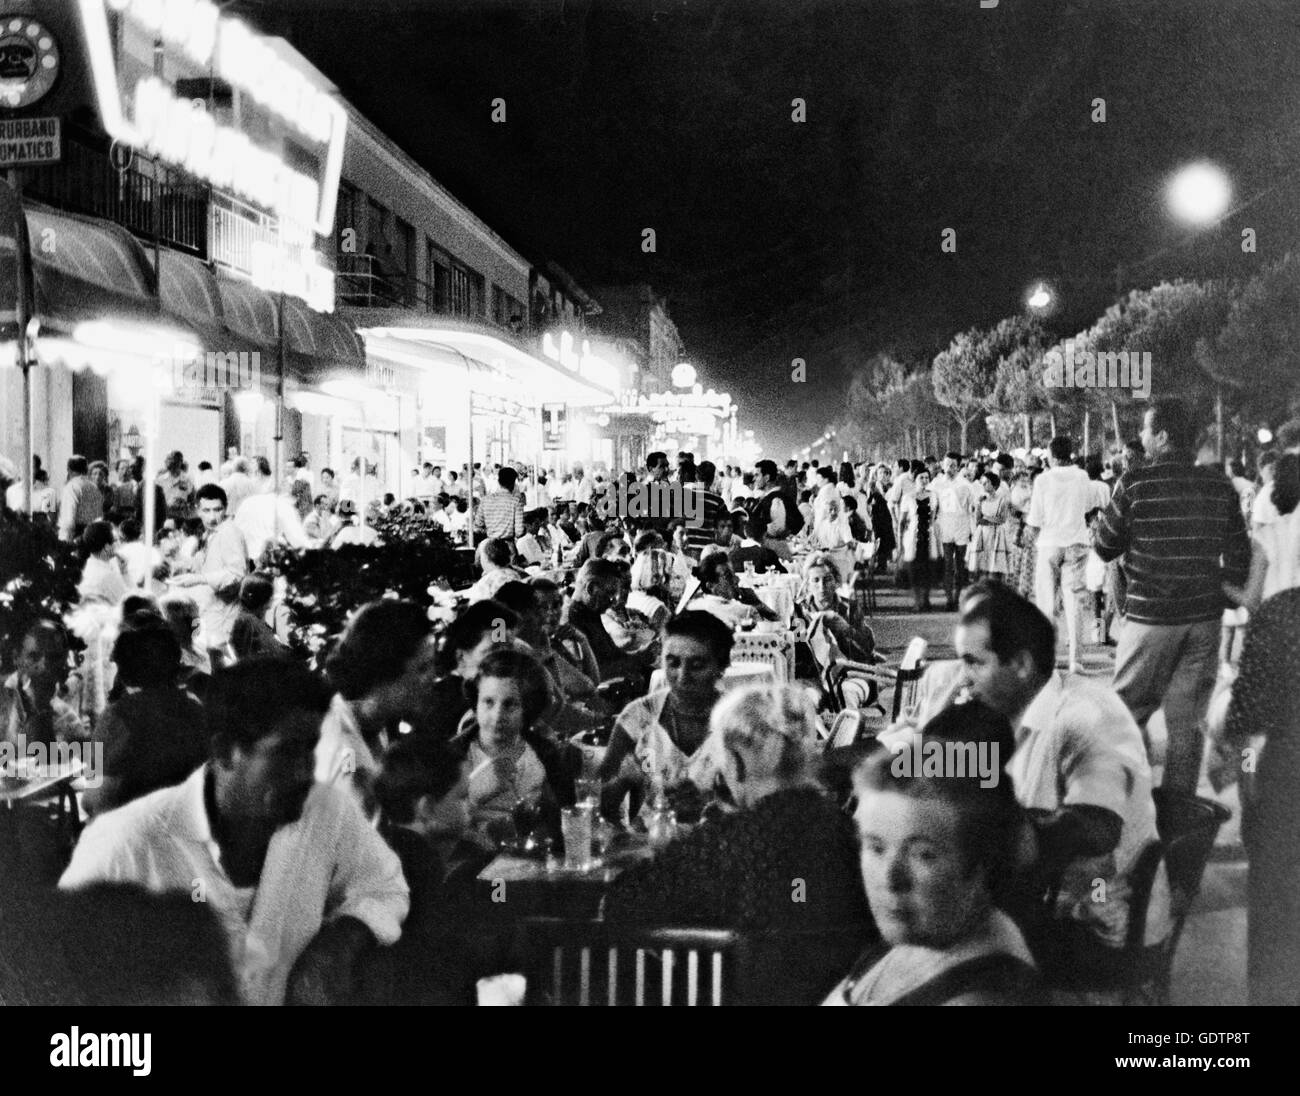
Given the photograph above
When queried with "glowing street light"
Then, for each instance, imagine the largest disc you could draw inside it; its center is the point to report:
(1199, 194)
(1040, 298)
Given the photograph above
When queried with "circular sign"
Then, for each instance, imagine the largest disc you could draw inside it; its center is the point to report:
(29, 61)
(120, 156)
(683, 375)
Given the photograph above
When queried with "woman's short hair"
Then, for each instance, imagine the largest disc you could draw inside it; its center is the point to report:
(747, 720)
(991, 817)
(821, 559)
(413, 769)
(376, 645)
(148, 656)
(496, 551)
(1286, 483)
(706, 629)
(98, 536)
(996, 482)
(255, 592)
(707, 571)
(608, 539)
(467, 631)
(522, 667)
(520, 597)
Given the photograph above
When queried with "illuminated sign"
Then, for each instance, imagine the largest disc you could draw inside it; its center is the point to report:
(29, 61)
(683, 375)
(182, 132)
(715, 402)
(585, 364)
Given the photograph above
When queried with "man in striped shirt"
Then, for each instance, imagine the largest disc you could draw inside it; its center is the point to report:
(1180, 530)
(710, 507)
(501, 513)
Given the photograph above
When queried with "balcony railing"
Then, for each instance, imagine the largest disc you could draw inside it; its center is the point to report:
(234, 229)
(364, 281)
(147, 197)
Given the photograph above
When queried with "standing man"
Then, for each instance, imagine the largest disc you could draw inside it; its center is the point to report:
(709, 507)
(1181, 532)
(1062, 497)
(775, 518)
(216, 569)
(956, 498)
(501, 513)
(82, 501)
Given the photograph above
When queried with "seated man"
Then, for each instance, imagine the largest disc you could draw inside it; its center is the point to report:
(31, 709)
(724, 597)
(594, 591)
(302, 883)
(749, 550)
(1080, 771)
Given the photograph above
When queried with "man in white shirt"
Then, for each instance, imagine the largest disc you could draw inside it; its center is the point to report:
(216, 569)
(582, 485)
(1062, 497)
(303, 885)
(1079, 767)
(955, 497)
(265, 518)
(237, 484)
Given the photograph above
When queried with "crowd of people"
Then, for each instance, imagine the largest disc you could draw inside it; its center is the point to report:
(336, 820)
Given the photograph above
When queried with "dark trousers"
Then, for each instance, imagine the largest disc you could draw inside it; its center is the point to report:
(954, 571)
(921, 572)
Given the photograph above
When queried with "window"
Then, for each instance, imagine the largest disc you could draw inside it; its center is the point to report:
(499, 316)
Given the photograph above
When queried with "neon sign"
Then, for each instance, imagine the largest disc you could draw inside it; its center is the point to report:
(585, 364)
(183, 133)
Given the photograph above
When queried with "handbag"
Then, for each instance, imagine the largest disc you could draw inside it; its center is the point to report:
(1094, 573)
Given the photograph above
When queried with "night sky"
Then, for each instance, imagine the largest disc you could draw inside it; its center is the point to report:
(821, 240)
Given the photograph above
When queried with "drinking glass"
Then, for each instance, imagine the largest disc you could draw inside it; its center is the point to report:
(587, 792)
(575, 825)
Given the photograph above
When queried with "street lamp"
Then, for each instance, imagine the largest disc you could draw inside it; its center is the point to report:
(1040, 298)
(1199, 194)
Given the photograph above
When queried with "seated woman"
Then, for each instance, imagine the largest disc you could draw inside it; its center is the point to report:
(658, 575)
(152, 734)
(657, 742)
(839, 648)
(102, 580)
(739, 870)
(251, 636)
(381, 671)
(503, 759)
(724, 597)
(423, 800)
(494, 558)
(469, 637)
(935, 849)
(630, 629)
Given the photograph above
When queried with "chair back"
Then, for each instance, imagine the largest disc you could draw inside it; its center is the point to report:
(597, 963)
(845, 729)
(1188, 826)
(908, 679)
(775, 649)
(914, 655)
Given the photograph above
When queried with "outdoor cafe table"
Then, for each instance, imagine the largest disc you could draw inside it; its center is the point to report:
(24, 785)
(530, 886)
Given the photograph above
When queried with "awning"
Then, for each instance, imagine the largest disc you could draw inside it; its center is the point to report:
(87, 269)
(402, 335)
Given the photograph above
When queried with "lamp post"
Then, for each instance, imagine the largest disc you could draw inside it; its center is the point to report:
(1199, 195)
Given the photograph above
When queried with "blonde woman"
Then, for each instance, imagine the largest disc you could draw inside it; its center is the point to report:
(738, 870)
